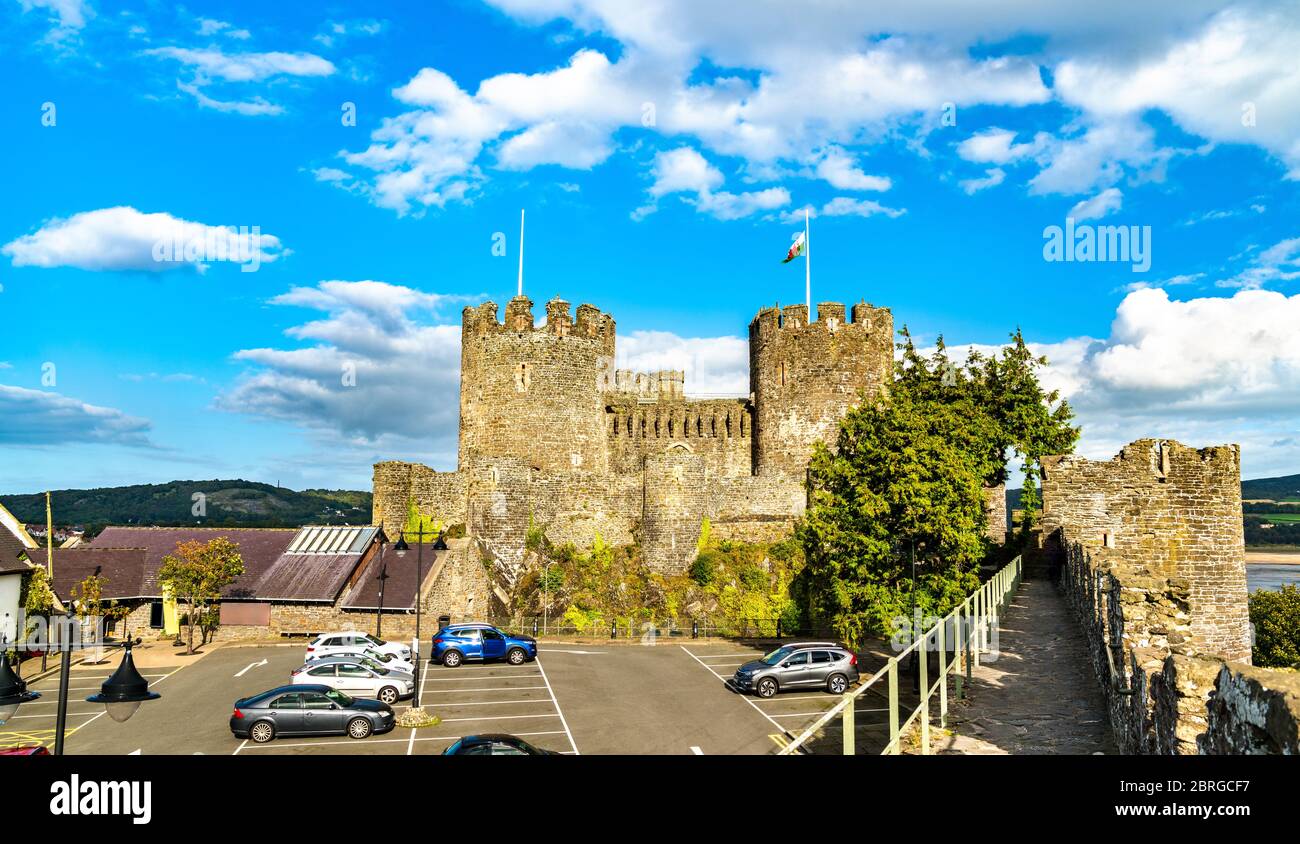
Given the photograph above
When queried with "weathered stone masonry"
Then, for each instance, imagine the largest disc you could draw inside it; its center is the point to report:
(551, 433)
(1151, 558)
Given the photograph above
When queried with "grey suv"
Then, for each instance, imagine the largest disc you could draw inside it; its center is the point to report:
(799, 665)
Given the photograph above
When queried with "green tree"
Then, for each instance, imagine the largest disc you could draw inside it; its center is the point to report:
(38, 602)
(1276, 617)
(197, 573)
(88, 596)
(906, 479)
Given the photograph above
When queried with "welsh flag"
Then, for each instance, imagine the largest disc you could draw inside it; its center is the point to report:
(796, 249)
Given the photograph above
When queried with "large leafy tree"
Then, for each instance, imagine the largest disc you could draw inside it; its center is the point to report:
(1276, 617)
(905, 482)
(196, 573)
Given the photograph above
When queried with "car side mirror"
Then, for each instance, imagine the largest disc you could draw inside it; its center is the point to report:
(334, 706)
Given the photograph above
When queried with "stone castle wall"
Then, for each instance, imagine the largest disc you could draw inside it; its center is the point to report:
(1166, 697)
(1175, 511)
(551, 435)
(805, 376)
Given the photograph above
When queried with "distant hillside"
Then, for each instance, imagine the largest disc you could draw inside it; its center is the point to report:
(229, 504)
(1274, 489)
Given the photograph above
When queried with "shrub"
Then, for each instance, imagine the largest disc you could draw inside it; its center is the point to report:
(704, 569)
(1276, 617)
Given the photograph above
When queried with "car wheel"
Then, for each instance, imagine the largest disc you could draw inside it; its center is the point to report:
(767, 687)
(451, 659)
(388, 695)
(837, 684)
(516, 656)
(359, 727)
(261, 732)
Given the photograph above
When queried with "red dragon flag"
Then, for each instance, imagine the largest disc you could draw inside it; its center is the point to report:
(797, 248)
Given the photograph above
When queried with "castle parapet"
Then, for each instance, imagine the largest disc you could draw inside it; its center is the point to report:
(830, 317)
(662, 384)
(591, 322)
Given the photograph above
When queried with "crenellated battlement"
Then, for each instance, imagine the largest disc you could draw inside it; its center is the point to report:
(830, 318)
(664, 383)
(590, 323)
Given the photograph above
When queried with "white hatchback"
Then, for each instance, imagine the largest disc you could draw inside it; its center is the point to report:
(380, 659)
(353, 677)
(328, 644)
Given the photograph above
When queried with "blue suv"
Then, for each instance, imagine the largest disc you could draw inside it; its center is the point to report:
(458, 643)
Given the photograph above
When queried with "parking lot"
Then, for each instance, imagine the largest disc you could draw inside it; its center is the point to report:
(668, 698)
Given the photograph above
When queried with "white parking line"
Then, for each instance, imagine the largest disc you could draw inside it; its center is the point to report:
(745, 698)
(556, 703)
(510, 718)
(489, 677)
(487, 689)
(727, 656)
(275, 744)
(819, 712)
(424, 676)
(696, 751)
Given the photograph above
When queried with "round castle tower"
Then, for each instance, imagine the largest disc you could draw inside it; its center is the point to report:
(804, 376)
(535, 393)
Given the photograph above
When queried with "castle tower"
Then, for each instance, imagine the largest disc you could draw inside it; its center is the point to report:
(534, 393)
(804, 376)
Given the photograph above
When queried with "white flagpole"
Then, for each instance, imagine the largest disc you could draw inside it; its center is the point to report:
(521, 251)
(807, 265)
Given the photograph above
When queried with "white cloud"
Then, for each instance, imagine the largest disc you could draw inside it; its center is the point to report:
(993, 177)
(211, 26)
(685, 171)
(406, 370)
(1205, 371)
(840, 170)
(844, 206)
(1094, 208)
(38, 418)
(338, 30)
(122, 238)
(998, 146)
(254, 106)
(1279, 262)
(713, 365)
(1242, 57)
(67, 17)
(213, 63)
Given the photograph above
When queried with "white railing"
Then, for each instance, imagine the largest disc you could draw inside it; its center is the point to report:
(967, 628)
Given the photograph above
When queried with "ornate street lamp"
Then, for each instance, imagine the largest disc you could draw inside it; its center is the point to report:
(401, 548)
(123, 692)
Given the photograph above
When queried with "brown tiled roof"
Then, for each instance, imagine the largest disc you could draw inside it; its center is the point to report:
(259, 547)
(122, 569)
(399, 589)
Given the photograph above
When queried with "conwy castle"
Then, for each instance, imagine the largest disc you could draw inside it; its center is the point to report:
(553, 436)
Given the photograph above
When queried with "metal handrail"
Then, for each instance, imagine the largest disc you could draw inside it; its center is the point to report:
(972, 619)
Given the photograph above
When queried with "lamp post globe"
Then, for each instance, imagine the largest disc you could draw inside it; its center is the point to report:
(13, 691)
(124, 691)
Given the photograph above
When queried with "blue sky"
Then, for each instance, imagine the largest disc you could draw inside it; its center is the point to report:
(665, 153)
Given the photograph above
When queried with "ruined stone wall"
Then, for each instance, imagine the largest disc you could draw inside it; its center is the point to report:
(717, 430)
(1172, 510)
(534, 393)
(804, 377)
(755, 508)
(440, 495)
(1163, 696)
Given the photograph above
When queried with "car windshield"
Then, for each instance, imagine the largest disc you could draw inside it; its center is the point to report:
(338, 697)
(376, 640)
(777, 655)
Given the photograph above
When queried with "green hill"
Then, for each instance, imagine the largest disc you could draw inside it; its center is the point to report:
(228, 503)
(1272, 489)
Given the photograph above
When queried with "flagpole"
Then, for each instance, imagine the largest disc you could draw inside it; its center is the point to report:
(807, 264)
(521, 251)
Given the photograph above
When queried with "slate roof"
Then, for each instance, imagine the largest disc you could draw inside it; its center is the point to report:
(317, 565)
(123, 571)
(11, 548)
(259, 547)
(399, 589)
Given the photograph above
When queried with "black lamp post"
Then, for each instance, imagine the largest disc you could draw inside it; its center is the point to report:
(381, 577)
(401, 548)
(121, 693)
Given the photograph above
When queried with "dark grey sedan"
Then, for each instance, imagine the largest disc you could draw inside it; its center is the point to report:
(799, 665)
(308, 710)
